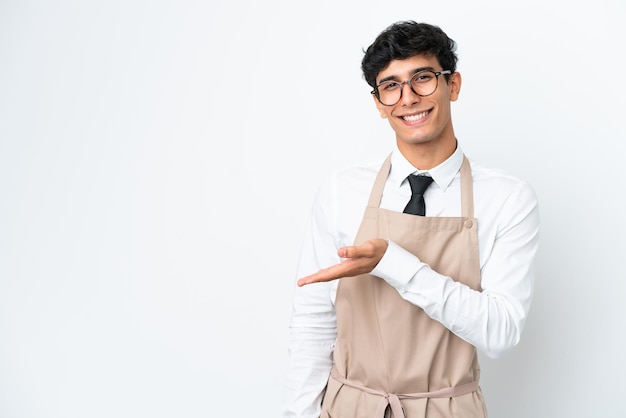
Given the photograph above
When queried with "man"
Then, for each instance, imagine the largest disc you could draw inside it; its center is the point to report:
(419, 293)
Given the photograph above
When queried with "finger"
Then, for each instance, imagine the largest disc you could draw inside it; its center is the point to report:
(366, 249)
(330, 273)
(354, 251)
(323, 275)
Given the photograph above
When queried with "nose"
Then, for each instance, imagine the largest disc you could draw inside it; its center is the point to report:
(409, 97)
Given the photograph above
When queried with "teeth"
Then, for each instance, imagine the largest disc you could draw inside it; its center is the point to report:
(413, 118)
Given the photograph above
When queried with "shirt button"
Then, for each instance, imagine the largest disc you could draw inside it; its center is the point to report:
(468, 224)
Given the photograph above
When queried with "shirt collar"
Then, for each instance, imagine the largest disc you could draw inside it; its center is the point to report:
(443, 174)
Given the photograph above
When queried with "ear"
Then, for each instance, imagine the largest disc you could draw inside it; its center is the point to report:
(454, 84)
(380, 107)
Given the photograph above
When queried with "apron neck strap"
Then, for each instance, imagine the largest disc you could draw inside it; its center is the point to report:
(467, 190)
(379, 184)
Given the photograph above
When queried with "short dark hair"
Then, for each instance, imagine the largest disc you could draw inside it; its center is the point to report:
(406, 39)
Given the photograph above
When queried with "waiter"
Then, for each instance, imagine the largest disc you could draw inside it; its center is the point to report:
(412, 263)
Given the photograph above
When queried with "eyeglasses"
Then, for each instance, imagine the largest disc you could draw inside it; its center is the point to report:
(423, 83)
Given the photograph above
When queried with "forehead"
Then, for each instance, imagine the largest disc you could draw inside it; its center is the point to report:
(402, 69)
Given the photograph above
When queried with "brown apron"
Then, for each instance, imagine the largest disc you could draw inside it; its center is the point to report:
(390, 355)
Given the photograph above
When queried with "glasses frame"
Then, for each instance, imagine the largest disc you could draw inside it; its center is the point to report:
(376, 92)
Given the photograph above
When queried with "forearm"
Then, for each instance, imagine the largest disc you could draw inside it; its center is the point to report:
(312, 335)
(492, 323)
(492, 320)
(310, 361)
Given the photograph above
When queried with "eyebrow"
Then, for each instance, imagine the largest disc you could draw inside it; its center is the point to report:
(395, 78)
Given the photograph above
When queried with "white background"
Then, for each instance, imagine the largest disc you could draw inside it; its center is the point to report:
(158, 160)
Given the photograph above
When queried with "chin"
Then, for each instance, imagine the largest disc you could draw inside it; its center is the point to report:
(417, 140)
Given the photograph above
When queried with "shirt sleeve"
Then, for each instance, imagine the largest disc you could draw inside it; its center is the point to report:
(492, 319)
(313, 327)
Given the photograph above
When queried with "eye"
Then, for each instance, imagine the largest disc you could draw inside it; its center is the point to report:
(423, 77)
(389, 85)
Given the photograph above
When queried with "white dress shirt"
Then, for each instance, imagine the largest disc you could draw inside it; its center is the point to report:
(491, 320)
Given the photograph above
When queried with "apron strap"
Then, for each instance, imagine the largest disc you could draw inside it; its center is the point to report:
(467, 190)
(379, 184)
(393, 400)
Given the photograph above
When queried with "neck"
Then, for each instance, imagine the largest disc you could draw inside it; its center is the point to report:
(425, 156)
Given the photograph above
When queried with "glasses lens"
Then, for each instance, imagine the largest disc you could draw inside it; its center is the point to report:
(389, 92)
(424, 83)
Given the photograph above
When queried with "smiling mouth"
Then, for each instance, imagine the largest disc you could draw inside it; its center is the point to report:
(416, 117)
